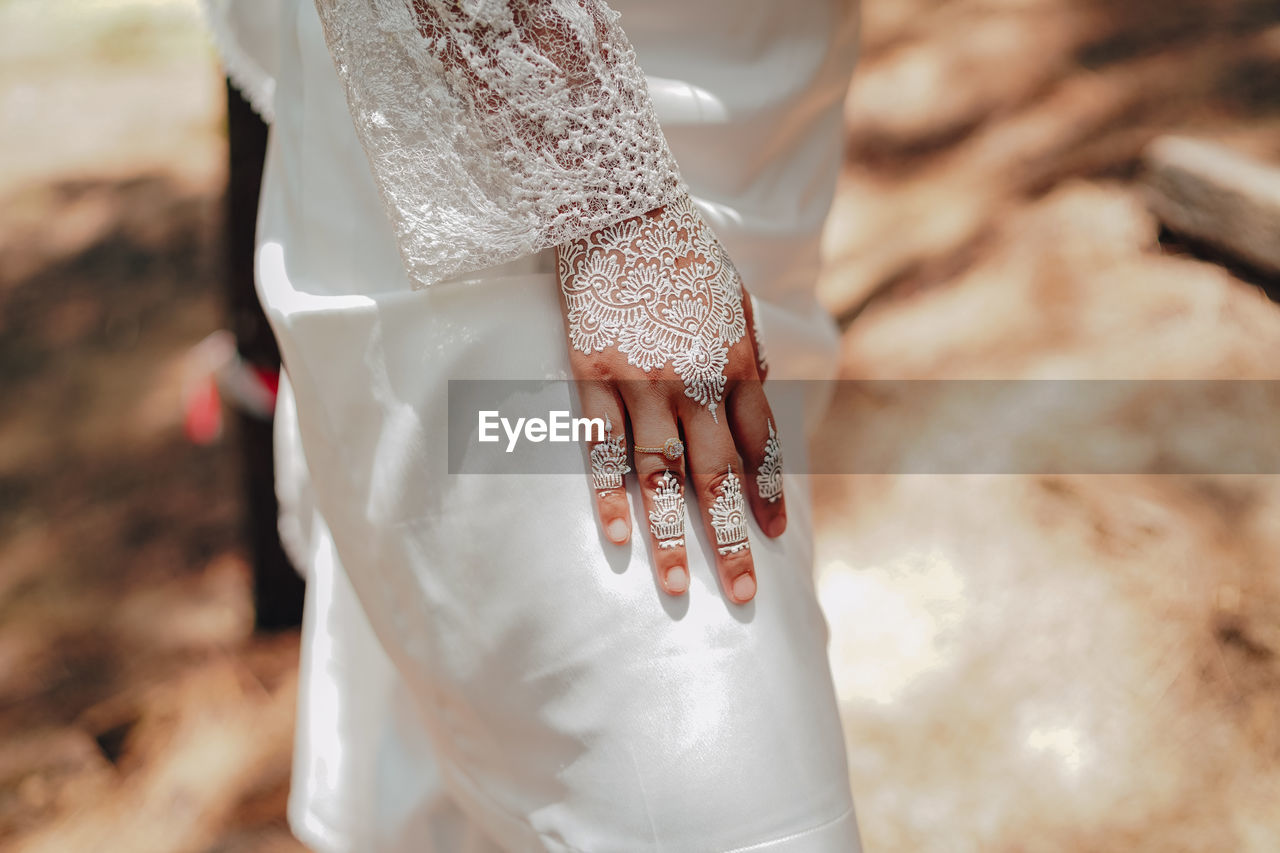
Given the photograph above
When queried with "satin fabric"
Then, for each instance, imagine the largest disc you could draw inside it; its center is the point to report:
(481, 670)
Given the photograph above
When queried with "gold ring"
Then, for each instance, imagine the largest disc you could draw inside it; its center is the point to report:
(672, 449)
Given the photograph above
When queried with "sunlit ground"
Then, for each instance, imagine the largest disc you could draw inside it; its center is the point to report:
(1065, 662)
(1024, 662)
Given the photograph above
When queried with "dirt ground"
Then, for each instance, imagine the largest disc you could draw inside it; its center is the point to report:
(1026, 661)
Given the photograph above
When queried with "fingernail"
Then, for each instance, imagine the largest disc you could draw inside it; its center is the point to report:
(677, 580)
(744, 586)
(778, 526)
(617, 531)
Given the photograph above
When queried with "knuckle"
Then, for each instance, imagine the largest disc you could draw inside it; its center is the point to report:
(646, 389)
(737, 563)
(595, 369)
(741, 367)
(713, 475)
(657, 385)
(669, 556)
(742, 360)
(771, 508)
(655, 473)
(612, 499)
(754, 386)
(600, 386)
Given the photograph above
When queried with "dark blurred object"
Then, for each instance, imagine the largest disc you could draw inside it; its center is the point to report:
(277, 587)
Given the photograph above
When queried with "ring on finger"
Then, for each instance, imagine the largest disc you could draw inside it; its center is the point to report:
(672, 449)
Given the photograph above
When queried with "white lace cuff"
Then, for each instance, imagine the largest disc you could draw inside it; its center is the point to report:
(497, 129)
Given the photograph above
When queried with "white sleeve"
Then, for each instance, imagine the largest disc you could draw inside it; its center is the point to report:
(247, 34)
(495, 129)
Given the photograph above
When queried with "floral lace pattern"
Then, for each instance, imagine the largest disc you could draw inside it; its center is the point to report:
(661, 289)
(496, 129)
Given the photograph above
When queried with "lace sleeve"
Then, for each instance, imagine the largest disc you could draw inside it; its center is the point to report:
(496, 129)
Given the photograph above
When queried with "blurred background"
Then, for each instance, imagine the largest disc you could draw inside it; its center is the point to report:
(1028, 662)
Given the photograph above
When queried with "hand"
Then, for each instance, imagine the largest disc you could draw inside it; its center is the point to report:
(658, 322)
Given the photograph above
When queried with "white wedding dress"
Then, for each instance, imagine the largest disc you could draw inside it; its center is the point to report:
(481, 670)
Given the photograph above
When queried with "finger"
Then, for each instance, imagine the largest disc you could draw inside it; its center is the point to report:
(608, 459)
(662, 483)
(752, 423)
(717, 479)
(752, 317)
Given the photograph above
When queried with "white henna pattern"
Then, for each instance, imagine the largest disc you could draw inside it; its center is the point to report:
(729, 516)
(762, 360)
(609, 460)
(769, 477)
(666, 519)
(661, 289)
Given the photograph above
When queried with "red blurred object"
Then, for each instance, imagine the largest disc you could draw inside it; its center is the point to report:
(202, 415)
(217, 372)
